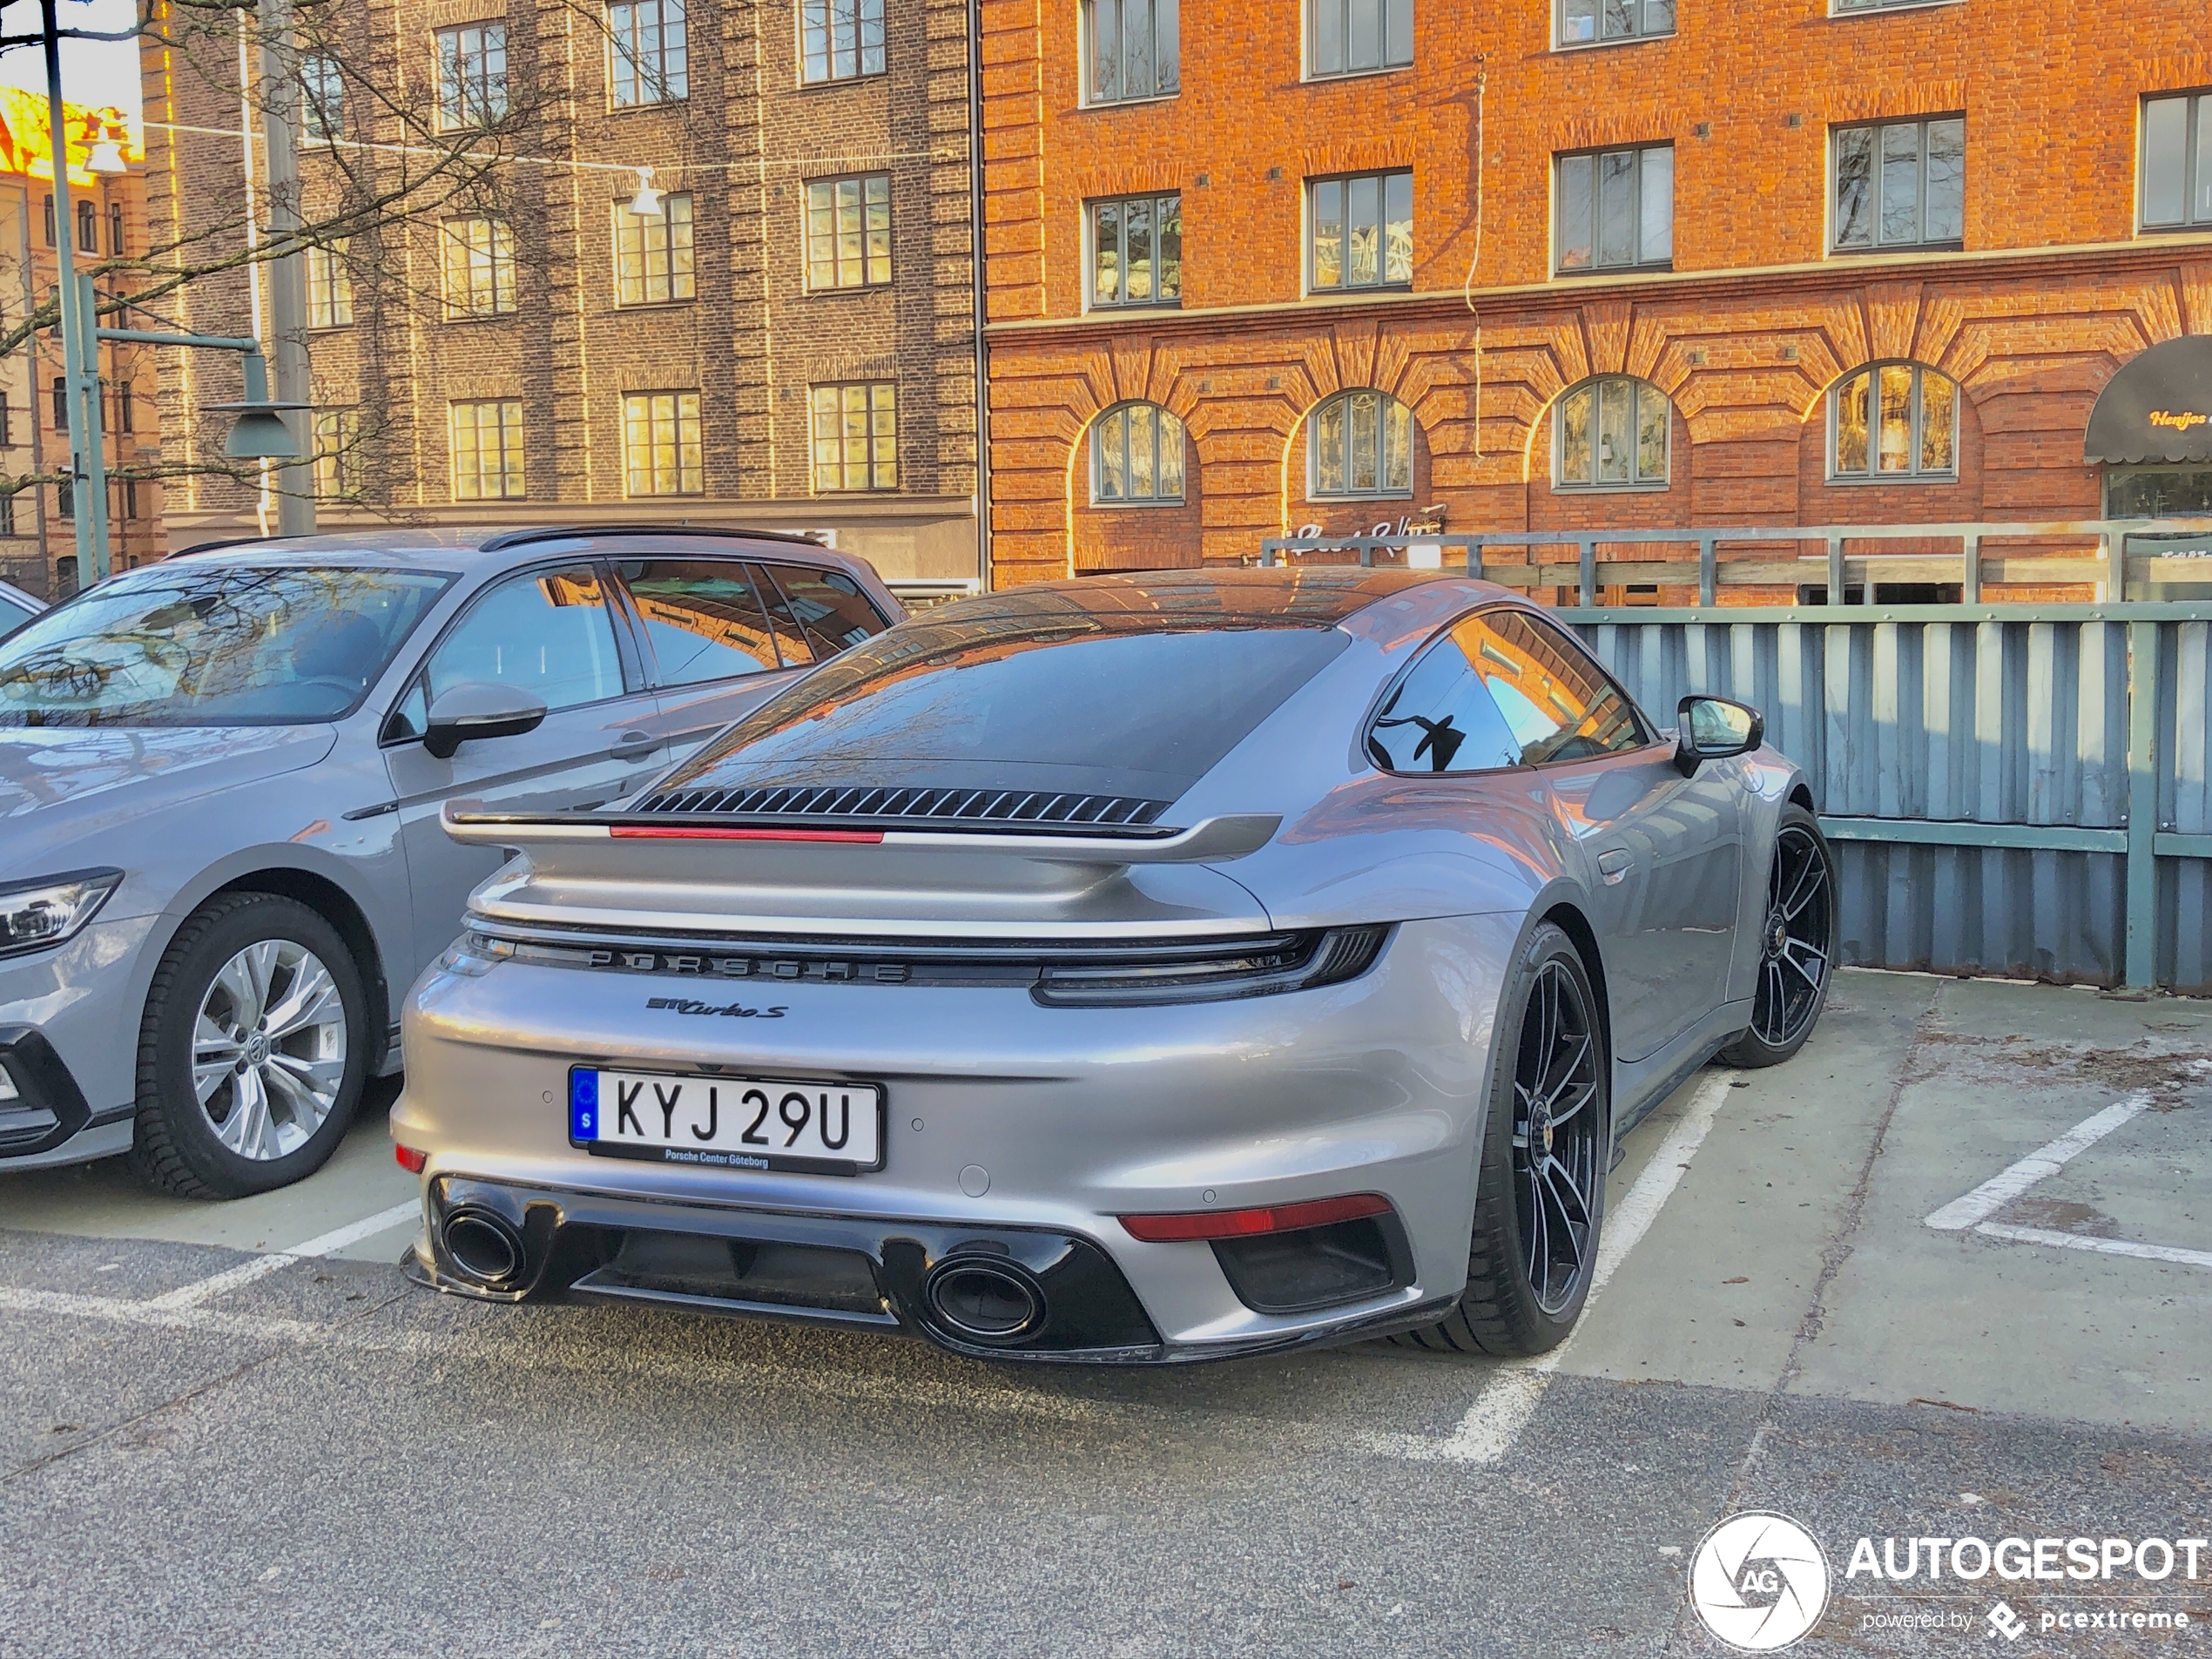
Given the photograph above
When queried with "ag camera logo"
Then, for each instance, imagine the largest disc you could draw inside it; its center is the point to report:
(1759, 1581)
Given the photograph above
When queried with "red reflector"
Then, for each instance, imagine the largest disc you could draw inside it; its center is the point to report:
(1239, 1223)
(703, 832)
(409, 1159)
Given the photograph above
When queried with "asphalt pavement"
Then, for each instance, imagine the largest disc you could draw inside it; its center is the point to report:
(235, 1430)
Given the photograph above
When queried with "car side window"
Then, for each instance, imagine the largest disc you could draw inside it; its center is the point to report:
(1554, 701)
(826, 609)
(548, 632)
(1439, 718)
(705, 617)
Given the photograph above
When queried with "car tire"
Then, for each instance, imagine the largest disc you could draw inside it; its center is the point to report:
(271, 980)
(1799, 925)
(1512, 1305)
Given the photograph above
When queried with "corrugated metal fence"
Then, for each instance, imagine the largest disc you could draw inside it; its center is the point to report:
(2014, 789)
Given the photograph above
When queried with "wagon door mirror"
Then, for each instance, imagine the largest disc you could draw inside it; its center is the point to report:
(1713, 728)
(480, 709)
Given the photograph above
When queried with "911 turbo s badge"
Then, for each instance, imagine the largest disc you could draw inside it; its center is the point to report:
(730, 1010)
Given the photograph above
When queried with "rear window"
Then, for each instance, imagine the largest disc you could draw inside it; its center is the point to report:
(1098, 710)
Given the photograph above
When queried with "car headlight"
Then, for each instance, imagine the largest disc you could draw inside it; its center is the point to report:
(34, 915)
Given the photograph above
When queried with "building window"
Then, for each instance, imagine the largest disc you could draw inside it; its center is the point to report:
(651, 61)
(1839, 7)
(8, 514)
(1362, 234)
(61, 404)
(1355, 36)
(7, 426)
(2177, 161)
(1136, 457)
(1900, 184)
(1617, 209)
(52, 240)
(337, 444)
(1361, 443)
(856, 437)
(330, 287)
(1893, 421)
(1583, 22)
(322, 97)
(1136, 251)
(848, 233)
(653, 253)
(126, 404)
(839, 39)
(1135, 49)
(660, 442)
(88, 227)
(487, 450)
(115, 227)
(472, 74)
(1611, 434)
(2161, 492)
(479, 267)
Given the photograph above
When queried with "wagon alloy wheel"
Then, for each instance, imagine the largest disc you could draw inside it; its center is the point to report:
(1558, 1133)
(1794, 945)
(269, 1048)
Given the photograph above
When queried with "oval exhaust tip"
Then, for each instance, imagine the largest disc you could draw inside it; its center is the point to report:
(484, 1246)
(985, 1301)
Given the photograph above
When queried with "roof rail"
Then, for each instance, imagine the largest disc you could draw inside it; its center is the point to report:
(227, 541)
(555, 533)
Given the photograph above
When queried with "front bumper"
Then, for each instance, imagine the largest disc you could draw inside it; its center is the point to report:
(68, 1041)
(1010, 1128)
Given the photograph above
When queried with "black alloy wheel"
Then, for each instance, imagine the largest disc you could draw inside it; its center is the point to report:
(1558, 1156)
(1796, 944)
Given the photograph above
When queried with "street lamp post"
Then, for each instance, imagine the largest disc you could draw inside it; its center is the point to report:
(80, 354)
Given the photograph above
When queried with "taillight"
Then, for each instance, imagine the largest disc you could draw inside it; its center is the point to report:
(1243, 1224)
(409, 1159)
(1281, 962)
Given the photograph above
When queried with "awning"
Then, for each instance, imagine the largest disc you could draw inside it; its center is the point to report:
(2159, 407)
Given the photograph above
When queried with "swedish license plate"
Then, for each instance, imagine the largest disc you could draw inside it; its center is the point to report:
(726, 1123)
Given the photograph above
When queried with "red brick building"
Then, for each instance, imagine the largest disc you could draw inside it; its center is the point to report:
(1574, 262)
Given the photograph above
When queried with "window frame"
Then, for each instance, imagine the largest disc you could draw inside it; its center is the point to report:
(1155, 301)
(454, 111)
(1645, 730)
(1097, 466)
(518, 471)
(1561, 43)
(1596, 156)
(1924, 243)
(807, 262)
(322, 97)
(1639, 388)
(1871, 371)
(626, 220)
(1309, 52)
(337, 473)
(1313, 491)
(1871, 7)
(871, 463)
(1383, 283)
(498, 256)
(666, 88)
(2197, 112)
(332, 296)
(1087, 56)
(630, 468)
(827, 8)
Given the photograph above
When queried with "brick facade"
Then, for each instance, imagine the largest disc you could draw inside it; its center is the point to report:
(2052, 288)
(742, 144)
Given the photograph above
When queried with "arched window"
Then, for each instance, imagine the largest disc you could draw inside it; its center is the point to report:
(1360, 443)
(1611, 434)
(1136, 456)
(1893, 420)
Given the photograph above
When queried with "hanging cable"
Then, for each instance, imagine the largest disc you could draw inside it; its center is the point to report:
(1466, 288)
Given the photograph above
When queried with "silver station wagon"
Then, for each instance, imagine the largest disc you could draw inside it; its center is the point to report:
(1128, 969)
(220, 781)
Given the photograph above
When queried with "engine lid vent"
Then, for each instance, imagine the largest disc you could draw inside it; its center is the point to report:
(861, 801)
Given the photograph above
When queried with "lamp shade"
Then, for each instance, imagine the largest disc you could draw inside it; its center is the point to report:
(261, 434)
(646, 202)
(106, 157)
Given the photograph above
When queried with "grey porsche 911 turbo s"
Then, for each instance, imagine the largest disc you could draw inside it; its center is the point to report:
(1126, 969)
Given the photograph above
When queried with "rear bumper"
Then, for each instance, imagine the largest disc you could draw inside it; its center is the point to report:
(856, 1272)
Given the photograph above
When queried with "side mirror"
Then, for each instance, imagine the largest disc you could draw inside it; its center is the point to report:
(478, 709)
(1713, 728)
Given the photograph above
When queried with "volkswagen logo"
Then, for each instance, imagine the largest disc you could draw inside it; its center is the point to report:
(1759, 1581)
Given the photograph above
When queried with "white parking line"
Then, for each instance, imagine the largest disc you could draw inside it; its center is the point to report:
(1504, 1408)
(187, 1295)
(2102, 1246)
(2043, 1163)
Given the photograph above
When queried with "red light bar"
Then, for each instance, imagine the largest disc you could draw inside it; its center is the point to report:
(1241, 1224)
(409, 1159)
(703, 832)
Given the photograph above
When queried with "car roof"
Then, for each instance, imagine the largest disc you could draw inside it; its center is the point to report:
(1275, 596)
(467, 549)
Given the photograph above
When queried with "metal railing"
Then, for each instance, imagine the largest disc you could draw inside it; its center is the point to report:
(2015, 788)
